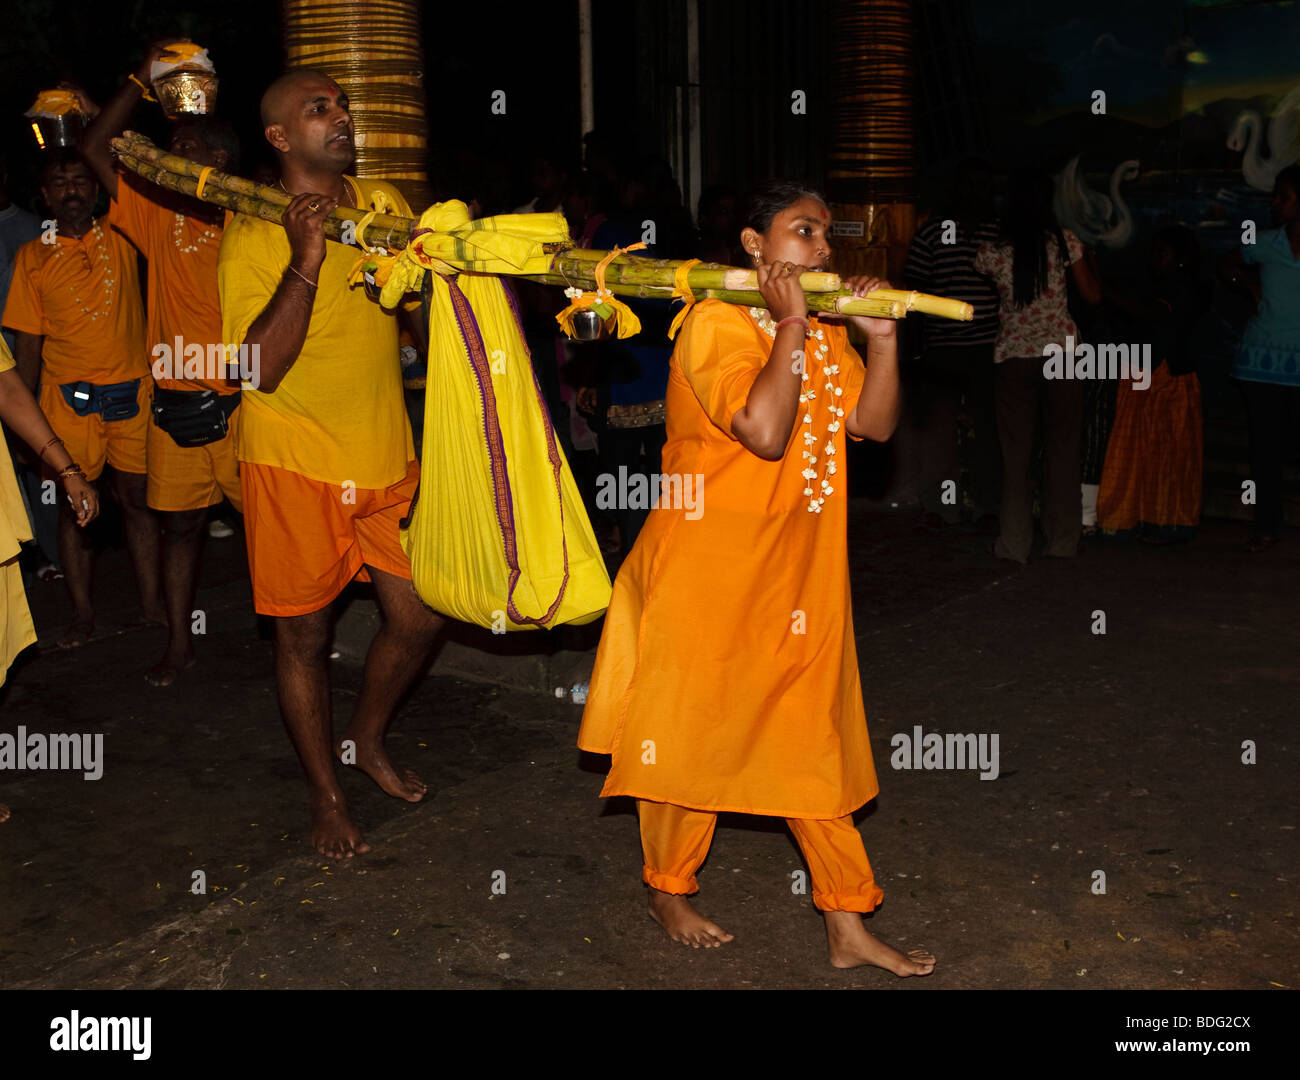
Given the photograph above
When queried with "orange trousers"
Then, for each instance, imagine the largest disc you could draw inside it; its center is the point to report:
(675, 840)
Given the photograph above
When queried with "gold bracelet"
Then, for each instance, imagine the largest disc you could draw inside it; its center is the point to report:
(143, 89)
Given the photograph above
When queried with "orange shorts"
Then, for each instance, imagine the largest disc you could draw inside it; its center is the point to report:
(307, 539)
(91, 441)
(192, 477)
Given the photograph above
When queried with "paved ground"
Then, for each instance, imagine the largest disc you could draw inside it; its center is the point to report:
(1119, 753)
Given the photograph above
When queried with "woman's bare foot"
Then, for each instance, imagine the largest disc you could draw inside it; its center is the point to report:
(373, 760)
(164, 672)
(79, 632)
(683, 923)
(851, 946)
(333, 834)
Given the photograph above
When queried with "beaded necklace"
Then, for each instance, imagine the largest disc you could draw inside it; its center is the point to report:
(109, 280)
(768, 326)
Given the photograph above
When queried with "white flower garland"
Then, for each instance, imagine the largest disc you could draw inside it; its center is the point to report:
(109, 280)
(178, 236)
(768, 326)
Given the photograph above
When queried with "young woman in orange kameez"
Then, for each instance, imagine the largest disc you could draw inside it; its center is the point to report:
(727, 676)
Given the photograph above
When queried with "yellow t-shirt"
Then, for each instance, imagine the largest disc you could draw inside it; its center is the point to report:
(338, 415)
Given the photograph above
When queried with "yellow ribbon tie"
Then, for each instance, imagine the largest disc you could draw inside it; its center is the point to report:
(359, 237)
(206, 171)
(376, 256)
(682, 291)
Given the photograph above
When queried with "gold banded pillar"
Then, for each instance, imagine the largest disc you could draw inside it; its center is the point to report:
(371, 48)
(871, 175)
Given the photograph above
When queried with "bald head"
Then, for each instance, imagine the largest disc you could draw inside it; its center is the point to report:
(284, 93)
(305, 117)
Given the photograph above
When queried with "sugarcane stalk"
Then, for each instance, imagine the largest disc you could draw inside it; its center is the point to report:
(833, 303)
(625, 275)
(636, 270)
(244, 196)
(941, 306)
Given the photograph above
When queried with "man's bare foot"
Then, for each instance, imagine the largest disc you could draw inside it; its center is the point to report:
(79, 632)
(4, 812)
(373, 760)
(683, 923)
(851, 946)
(333, 834)
(164, 672)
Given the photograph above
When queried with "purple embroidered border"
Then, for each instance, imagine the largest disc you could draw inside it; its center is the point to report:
(482, 369)
(552, 441)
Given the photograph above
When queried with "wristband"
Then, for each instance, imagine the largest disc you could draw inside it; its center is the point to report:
(72, 470)
(143, 89)
(793, 319)
(41, 453)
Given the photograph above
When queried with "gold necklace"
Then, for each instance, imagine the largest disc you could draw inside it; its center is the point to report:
(109, 280)
(768, 325)
(346, 187)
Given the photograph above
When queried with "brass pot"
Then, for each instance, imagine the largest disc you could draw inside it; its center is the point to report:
(186, 92)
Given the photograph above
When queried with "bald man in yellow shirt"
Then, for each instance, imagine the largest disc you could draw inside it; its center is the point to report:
(327, 463)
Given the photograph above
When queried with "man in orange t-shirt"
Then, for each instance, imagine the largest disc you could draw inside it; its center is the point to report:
(192, 466)
(327, 464)
(74, 306)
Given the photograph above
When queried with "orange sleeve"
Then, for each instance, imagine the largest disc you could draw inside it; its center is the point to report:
(23, 308)
(129, 212)
(718, 357)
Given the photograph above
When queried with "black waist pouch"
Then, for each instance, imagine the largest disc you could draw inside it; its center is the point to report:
(116, 401)
(193, 417)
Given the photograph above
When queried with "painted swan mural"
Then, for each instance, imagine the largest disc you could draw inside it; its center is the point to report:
(1283, 141)
(1093, 217)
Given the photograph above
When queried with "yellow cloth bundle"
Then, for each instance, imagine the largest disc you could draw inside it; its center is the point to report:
(498, 535)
